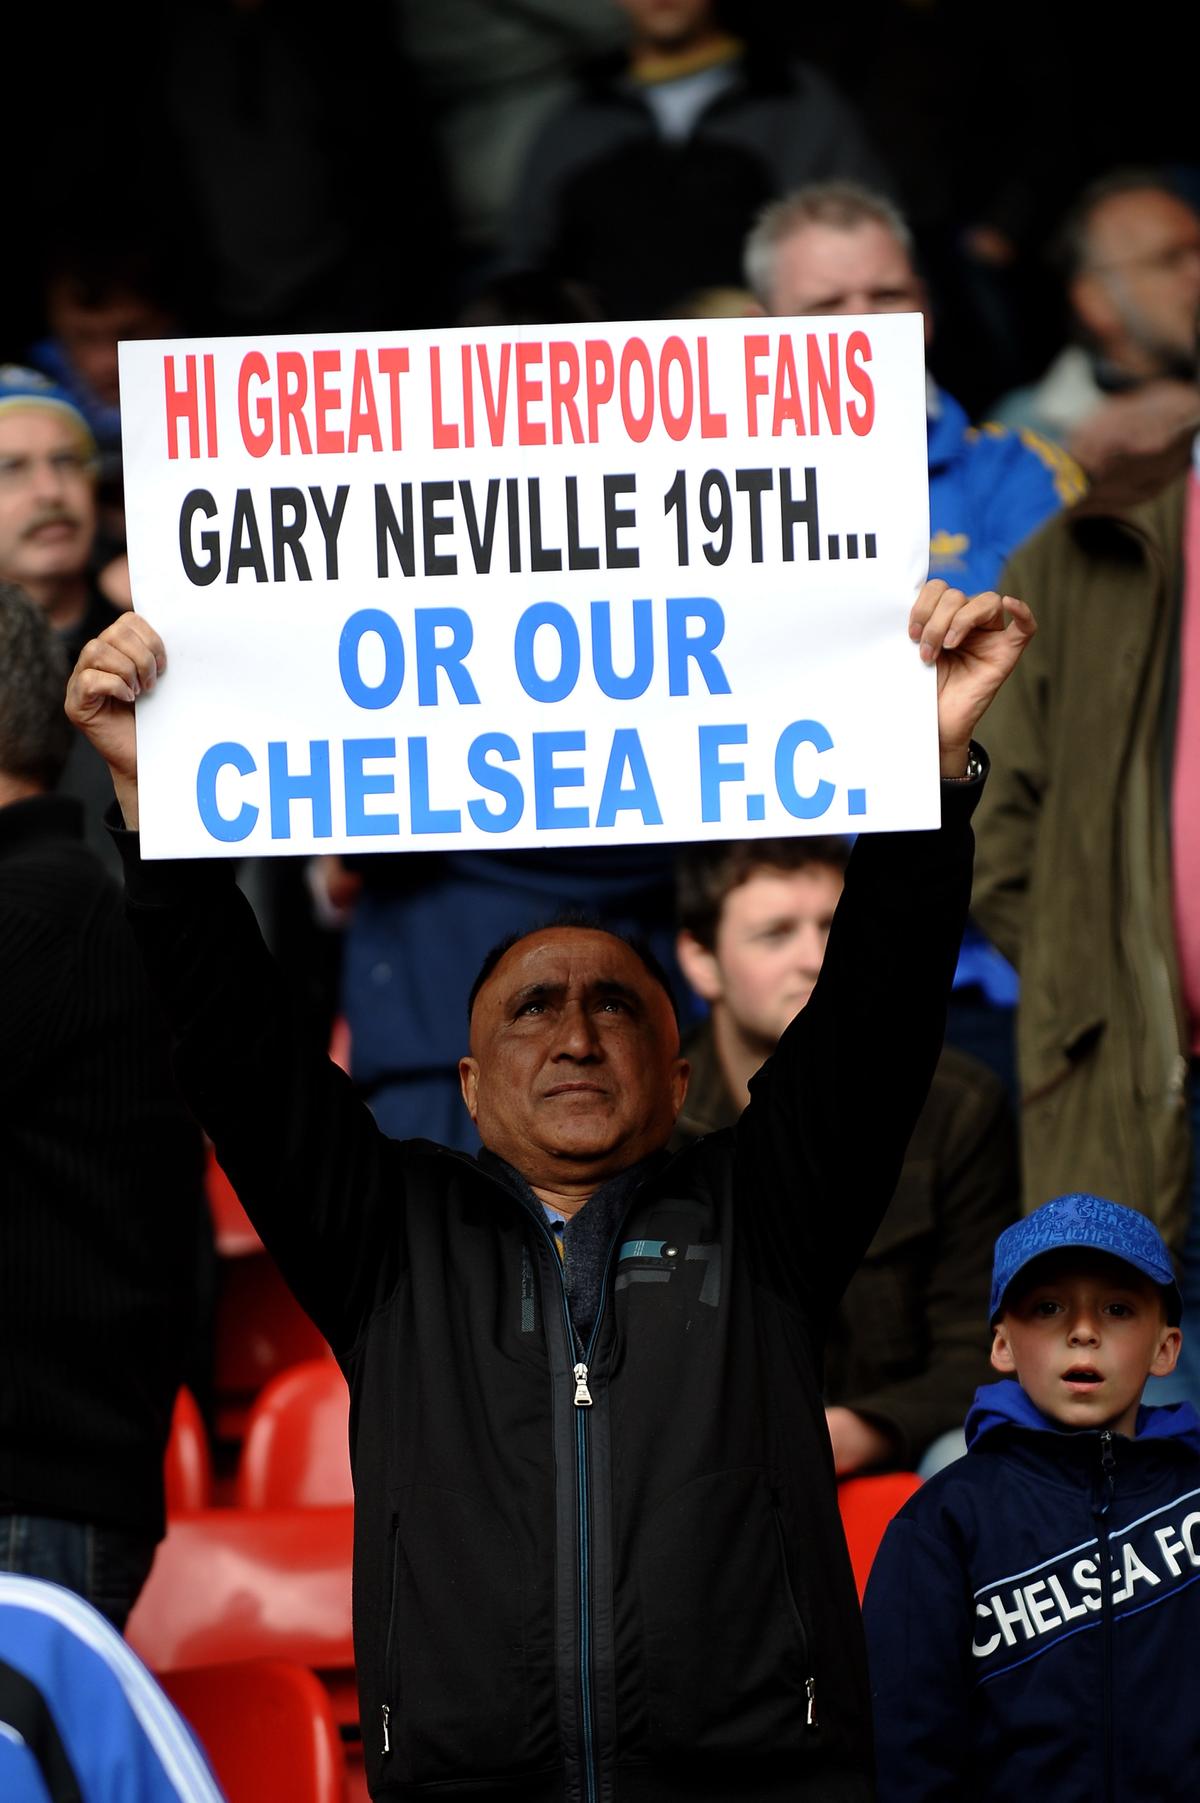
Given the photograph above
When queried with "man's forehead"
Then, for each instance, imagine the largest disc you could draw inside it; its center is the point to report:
(569, 954)
(1127, 222)
(815, 253)
(38, 427)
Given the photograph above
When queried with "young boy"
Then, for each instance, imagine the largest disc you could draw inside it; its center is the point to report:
(903, 1355)
(1033, 1615)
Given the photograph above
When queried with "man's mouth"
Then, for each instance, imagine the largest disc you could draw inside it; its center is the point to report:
(574, 1089)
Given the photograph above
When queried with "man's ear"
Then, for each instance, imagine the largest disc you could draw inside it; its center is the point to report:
(699, 966)
(468, 1082)
(1002, 1358)
(1167, 1356)
(681, 1070)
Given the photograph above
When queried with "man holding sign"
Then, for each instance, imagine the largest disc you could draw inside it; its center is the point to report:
(597, 1546)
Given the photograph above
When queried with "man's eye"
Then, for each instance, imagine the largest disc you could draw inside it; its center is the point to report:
(612, 1004)
(531, 1008)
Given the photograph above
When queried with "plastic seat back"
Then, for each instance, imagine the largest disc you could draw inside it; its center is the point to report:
(187, 1468)
(232, 1584)
(296, 1452)
(867, 1504)
(267, 1727)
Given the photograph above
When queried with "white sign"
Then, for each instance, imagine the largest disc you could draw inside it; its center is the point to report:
(531, 586)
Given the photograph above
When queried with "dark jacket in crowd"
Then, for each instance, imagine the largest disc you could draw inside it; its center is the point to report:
(906, 1348)
(1073, 880)
(101, 1199)
(608, 1566)
(1033, 1614)
(644, 221)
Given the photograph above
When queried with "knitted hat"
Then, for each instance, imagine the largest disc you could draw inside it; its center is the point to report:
(1084, 1221)
(22, 388)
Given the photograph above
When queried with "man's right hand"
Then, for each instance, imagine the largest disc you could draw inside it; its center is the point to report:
(124, 662)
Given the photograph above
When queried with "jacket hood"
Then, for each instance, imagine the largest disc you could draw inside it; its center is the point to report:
(1005, 1405)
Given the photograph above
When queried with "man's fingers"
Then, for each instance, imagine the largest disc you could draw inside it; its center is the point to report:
(931, 593)
(89, 690)
(134, 639)
(954, 617)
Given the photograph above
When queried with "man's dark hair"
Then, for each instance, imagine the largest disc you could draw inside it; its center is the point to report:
(35, 734)
(588, 923)
(706, 873)
(1071, 250)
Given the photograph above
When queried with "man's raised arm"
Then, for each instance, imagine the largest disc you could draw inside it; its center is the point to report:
(832, 1111)
(321, 1184)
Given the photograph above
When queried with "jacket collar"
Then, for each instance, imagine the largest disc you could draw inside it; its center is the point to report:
(1005, 1406)
(37, 819)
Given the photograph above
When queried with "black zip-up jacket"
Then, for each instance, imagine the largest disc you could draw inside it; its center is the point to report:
(647, 1599)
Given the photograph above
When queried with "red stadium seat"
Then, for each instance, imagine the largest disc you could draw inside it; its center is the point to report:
(867, 1504)
(230, 1584)
(295, 1454)
(261, 1330)
(187, 1468)
(233, 1230)
(268, 1729)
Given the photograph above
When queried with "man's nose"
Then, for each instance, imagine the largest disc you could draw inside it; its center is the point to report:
(810, 951)
(577, 1035)
(47, 479)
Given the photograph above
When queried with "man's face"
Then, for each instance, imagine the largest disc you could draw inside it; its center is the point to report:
(1142, 282)
(1082, 1333)
(825, 269)
(770, 945)
(574, 1069)
(90, 334)
(47, 497)
(669, 24)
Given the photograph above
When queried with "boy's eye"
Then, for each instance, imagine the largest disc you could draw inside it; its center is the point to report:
(1045, 1305)
(1120, 1309)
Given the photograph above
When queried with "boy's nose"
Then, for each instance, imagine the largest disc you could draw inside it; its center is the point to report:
(1084, 1329)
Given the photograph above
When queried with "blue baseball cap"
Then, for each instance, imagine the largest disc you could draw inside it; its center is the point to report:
(1085, 1221)
(22, 388)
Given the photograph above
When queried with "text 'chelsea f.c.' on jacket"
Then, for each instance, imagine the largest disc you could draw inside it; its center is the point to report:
(646, 1599)
(1033, 1615)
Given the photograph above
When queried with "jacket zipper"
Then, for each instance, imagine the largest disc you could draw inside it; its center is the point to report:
(583, 1402)
(1101, 1508)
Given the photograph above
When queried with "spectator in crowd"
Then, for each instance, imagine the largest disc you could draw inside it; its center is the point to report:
(1033, 1610)
(103, 1222)
(590, 1460)
(903, 1356)
(644, 187)
(1129, 253)
(98, 293)
(1088, 875)
(834, 247)
(80, 1716)
(48, 473)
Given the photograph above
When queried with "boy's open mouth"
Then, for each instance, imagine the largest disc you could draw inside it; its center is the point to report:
(1082, 1374)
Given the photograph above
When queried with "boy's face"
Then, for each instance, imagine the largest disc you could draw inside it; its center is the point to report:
(770, 945)
(1082, 1332)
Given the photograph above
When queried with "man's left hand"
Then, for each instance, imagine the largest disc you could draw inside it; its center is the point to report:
(975, 641)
